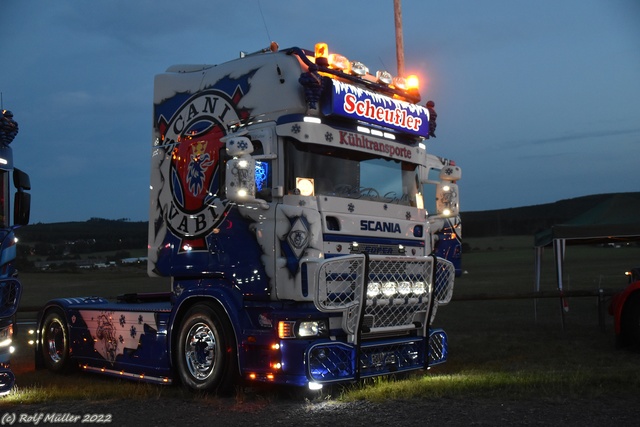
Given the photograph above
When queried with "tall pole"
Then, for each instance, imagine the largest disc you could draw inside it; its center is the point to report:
(397, 9)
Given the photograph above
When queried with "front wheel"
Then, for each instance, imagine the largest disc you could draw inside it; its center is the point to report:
(206, 350)
(55, 342)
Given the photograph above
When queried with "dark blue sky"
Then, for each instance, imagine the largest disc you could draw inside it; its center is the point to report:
(537, 101)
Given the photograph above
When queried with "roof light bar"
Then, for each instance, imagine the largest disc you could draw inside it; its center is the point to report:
(384, 77)
(324, 58)
(359, 69)
(339, 62)
(413, 82)
(322, 54)
(400, 83)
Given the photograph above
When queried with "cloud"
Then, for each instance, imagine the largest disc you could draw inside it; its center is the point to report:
(578, 136)
(521, 92)
(72, 99)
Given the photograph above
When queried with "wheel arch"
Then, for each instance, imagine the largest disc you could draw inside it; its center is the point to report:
(42, 314)
(218, 301)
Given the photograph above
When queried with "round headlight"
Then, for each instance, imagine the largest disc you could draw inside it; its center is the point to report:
(373, 289)
(389, 288)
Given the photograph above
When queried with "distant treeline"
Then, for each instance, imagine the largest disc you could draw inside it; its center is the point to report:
(94, 235)
(529, 220)
(99, 234)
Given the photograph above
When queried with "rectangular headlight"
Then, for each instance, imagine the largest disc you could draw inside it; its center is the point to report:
(303, 328)
(313, 328)
(6, 335)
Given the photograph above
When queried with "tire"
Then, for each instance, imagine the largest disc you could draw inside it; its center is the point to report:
(55, 342)
(206, 351)
(7, 380)
(630, 323)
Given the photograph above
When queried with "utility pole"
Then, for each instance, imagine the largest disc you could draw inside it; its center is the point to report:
(397, 9)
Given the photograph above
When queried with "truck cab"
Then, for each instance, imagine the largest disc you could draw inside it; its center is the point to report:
(287, 207)
(10, 286)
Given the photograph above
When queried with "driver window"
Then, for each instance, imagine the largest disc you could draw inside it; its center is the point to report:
(263, 172)
(429, 190)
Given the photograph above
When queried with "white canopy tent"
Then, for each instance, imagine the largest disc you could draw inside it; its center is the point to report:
(616, 219)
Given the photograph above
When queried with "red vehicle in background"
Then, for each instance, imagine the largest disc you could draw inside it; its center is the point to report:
(625, 309)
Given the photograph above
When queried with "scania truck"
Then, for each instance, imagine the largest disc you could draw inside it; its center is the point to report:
(10, 287)
(287, 209)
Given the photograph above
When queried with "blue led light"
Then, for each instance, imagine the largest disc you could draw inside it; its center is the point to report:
(262, 171)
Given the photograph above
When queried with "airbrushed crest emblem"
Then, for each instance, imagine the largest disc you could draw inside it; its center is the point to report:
(199, 163)
(298, 237)
(296, 242)
(192, 136)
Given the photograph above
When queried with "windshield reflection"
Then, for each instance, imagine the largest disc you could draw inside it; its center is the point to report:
(351, 174)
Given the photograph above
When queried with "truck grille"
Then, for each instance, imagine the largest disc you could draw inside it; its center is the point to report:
(336, 361)
(396, 295)
(10, 291)
(445, 277)
(438, 347)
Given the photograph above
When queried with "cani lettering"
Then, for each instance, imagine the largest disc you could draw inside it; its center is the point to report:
(207, 105)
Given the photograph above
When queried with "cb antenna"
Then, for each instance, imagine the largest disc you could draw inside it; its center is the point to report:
(397, 15)
(264, 22)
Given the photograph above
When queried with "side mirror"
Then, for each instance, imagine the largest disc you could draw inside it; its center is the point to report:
(21, 208)
(21, 180)
(240, 172)
(447, 199)
(241, 179)
(450, 173)
(238, 146)
(22, 200)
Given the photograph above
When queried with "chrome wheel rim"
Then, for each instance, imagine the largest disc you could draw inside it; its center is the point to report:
(199, 351)
(54, 338)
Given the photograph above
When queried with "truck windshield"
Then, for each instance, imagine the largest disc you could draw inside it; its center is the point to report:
(351, 174)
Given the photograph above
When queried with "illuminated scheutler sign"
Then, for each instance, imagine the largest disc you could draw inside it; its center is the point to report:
(370, 107)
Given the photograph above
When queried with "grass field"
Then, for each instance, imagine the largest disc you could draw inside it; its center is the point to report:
(503, 347)
(532, 347)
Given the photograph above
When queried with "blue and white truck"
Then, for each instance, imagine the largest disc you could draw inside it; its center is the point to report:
(287, 208)
(10, 286)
